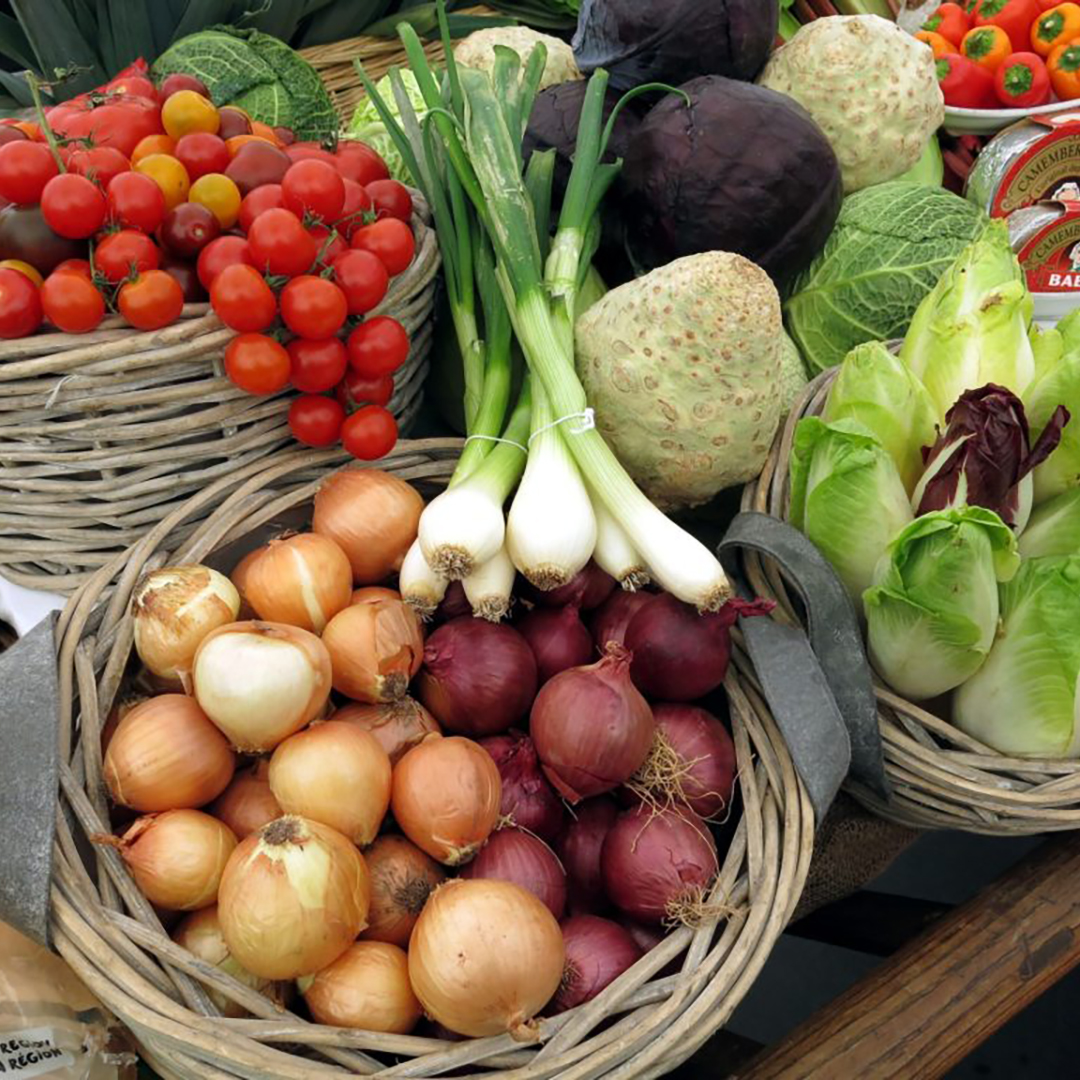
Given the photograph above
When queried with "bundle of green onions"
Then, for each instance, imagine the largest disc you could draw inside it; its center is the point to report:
(506, 277)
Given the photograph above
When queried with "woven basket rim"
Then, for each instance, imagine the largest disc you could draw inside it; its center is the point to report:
(114, 942)
(941, 777)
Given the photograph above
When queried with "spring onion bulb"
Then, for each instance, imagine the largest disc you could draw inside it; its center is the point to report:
(489, 589)
(614, 552)
(421, 588)
(462, 528)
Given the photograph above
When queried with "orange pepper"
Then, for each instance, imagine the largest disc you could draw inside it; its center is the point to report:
(987, 46)
(1058, 26)
(1064, 67)
(265, 131)
(941, 46)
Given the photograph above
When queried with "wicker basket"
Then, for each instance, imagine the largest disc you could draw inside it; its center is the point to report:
(642, 1026)
(104, 434)
(941, 777)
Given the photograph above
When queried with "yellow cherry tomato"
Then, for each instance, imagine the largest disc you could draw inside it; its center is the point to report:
(169, 175)
(219, 195)
(152, 144)
(23, 268)
(186, 111)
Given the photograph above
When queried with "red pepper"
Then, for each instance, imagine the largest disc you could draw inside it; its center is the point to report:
(965, 84)
(1013, 16)
(1022, 81)
(951, 21)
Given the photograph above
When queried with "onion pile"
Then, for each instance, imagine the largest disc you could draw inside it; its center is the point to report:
(375, 649)
(247, 804)
(528, 800)
(402, 879)
(397, 726)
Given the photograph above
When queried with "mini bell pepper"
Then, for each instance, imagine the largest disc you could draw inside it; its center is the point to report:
(940, 45)
(964, 84)
(1064, 68)
(1055, 27)
(1046, 5)
(1022, 81)
(951, 21)
(986, 46)
(1013, 16)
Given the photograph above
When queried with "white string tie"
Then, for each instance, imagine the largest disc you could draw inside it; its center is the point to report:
(495, 438)
(50, 401)
(586, 416)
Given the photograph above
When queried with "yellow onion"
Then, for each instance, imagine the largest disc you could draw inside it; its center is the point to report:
(239, 579)
(446, 796)
(485, 958)
(174, 609)
(293, 898)
(367, 987)
(397, 725)
(336, 774)
(375, 650)
(247, 804)
(200, 933)
(303, 580)
(260, 682)
(372, 516)
(167, 755)
(368, 593)
(177, 858)
(402, 879)
(117, 713)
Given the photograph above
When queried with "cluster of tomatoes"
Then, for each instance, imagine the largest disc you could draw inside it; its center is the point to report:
(138, 199)
(1013, 54)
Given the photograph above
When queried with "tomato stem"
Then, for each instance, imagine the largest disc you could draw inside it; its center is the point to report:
(39, 108)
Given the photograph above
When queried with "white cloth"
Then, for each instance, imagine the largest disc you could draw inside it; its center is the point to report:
(23, 609)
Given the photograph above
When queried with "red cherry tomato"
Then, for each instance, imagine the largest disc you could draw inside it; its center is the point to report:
(357, 161)
(185, 275)
(354, 213)
(126, 252)
(378, 347)
(280, 245)
(71, 302)
(330, 245)
(363, 279)
(25, 168)
(121, 120)
(257, 364)
(309, 151)
(391, 199)
(136, 202)
(102, 164)
(73, 206)
(257, 163)
(355, 390)
(313, 307)
(314, 187)
(220, 253)
(391, 240)
(75, 266)
(177, 82)
(202, 153)
(242, 300)
(9, 133)
(20, 303)
(315, 420)
(267, 197)
(317, 365)
(151, 301)
(187, 229)
(136, 85)
(370, 433)
(233, 123)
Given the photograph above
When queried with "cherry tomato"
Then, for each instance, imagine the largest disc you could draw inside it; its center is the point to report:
(391, 240)
(20, 303)
(317, 365)
(102, 164)
(187, 111)
(74, 266)
(370, 433)
(265, 131)
(159, 143)
(378, 346)
(357, 161)
(242, 300)
(185, 275)
(74, 207)
(24, 268)
(355, 390)
(151, 301)
(116, 120)
(187, 229)
(309, 151)
(315, 420)
(391, 199)
(267, 197)
(257, 364)
(25, 168)
(126, 252)
(234, 121)
(219, 253)
(177, 82)
(280, 245)
(30, 128)
(363, 279)
(169, 175)
(10, 133)
(135, 85)
(202, 153)
(72, 303)
(330, 245)
(257, 163)
(219, 195)
(136, 202)
(315, 188)
(313, 307)
(285, 135)
(354, 213)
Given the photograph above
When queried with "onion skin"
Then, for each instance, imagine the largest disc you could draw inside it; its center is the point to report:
(398, 726)
(367, 593)
(454, 605)
(479, 678)
(598, 951)
(239, 578)
(587, 589)
(654, 861)
(446, 795)
(375, 650)
(558, 640)
(293, 898)
(402, 879)
(485, 958)
(528, 800)
(707, 753)
(610, 620)
(513, 855)
(591, 727)
(247, 804)
(372, 516)
(579, 850)
(647, 937)
(166, 755)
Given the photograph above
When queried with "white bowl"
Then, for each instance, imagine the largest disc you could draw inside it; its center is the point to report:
(990, 121)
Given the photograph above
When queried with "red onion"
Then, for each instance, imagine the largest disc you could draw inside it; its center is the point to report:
(591, 727)
(579, 849)
(692, 761)
(454, 603)
(610, 620)
(558, 639)
(598, 951)
(515, 856)
(657, 864)
(478, 677)
(587, 589)
(680, 655)
(528, 800)
(646, 937)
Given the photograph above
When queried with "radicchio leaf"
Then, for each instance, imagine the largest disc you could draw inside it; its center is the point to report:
(984, 453)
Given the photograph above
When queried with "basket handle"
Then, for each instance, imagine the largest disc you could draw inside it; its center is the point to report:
(811, 680)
